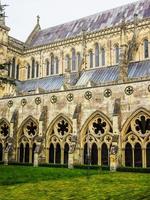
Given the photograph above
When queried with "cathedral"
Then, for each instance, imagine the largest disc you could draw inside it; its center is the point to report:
(78, 93)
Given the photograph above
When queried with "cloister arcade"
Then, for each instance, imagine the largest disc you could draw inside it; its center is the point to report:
(94, 139)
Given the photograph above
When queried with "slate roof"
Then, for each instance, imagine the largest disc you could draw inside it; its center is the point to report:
(97, 76)
(97, 22)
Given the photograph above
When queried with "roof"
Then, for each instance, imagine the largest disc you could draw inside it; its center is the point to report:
(98, 76)
(93, 23)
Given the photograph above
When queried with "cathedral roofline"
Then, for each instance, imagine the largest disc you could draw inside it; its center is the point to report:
(94, 23)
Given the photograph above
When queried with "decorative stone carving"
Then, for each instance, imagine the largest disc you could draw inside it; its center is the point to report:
(129, 90)
(88, 95)
(53, 99)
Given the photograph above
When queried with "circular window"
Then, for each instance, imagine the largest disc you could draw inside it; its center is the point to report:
(88, 95)
(38, 100)
(23, 102)
(10, 103)
(70, 97)
(107, 93)
(53, 99)
(129, 90)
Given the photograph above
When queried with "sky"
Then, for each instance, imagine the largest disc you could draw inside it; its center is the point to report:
(21, 14)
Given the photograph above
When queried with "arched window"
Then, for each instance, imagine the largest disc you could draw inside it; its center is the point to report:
(78, 60)
(148, 155)
(13, 68)
(96, 55)
(17, 72)
(103, 56)
(67, 62)
(58, 154)
(104, 155)
(66, 152)
(21, 153)
(73, 60)
(37, 69)
(137, 155)
(1, 152)
(28, 71)
(52, 64)
(91, 59)
(85, 154)
(9, 69)
(146, 49)
(27, 153)
(33, 151)
(33, 68)
(51, 154)
(57, 65)
(116, 54)
(94, 155)
(47, 67)
(128, 155)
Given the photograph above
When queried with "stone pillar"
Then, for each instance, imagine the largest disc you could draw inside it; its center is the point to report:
(5, 157)
(62, 156)
(123, 157)
(133, 157)
(36, 159)
(70, 161)
(99, 157)
(144, 158)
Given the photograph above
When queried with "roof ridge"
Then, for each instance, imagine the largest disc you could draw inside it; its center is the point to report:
(89, 16)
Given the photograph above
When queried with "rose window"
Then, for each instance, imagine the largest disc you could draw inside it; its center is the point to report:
(142, 124)
(63, 127)
(31, 129)
(99, 126)
(4, 130)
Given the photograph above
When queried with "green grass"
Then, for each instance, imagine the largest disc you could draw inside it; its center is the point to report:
(28, 183)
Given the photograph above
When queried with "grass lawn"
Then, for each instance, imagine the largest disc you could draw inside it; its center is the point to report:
(28, 183)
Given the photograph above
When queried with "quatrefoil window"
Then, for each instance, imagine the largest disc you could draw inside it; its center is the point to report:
(129, 90)
(4, 130)
(38, 100)
(31, 129)
(142, 124)
(99, 126)
(107, 93)
(53, 99)
(10, 103)
(62, 127)
(70, 97)
(88, 95)
(23, 102)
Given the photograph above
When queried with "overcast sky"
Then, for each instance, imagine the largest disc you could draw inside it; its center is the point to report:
(22, 13)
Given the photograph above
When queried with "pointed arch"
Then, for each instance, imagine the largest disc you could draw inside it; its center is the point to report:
(4, 127)
(127, 123)
(91, 117)
(66, 153)
(104, 155)
(56, 119)
(25, 121)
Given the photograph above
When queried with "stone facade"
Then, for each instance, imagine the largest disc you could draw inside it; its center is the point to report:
(78, 100)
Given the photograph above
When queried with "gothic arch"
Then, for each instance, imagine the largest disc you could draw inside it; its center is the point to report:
(21, 130)
(51, 131)
(4, 128)
(131, 117)
(105, 122)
